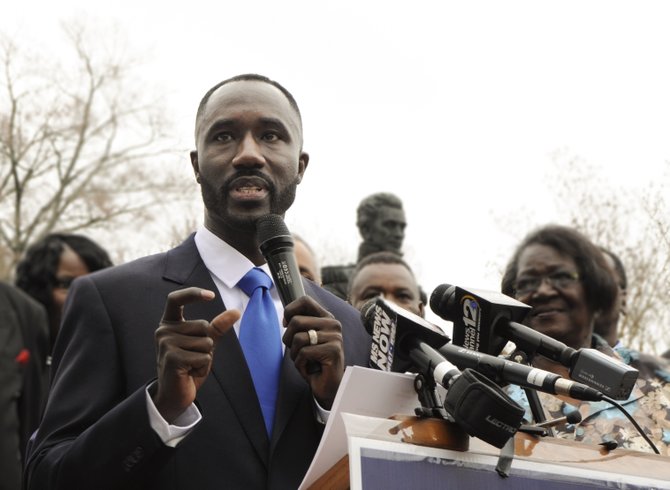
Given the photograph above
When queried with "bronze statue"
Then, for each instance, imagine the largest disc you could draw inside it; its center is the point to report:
(381, 224)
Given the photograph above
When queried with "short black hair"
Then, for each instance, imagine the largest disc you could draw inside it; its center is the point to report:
(599, 285)
(248, 77)
(384, 257)
(36, 272)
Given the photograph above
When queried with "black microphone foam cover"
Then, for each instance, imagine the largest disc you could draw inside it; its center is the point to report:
(276, 245)
(573, 417)
(438, 296)
(270, 226)
(368, 313)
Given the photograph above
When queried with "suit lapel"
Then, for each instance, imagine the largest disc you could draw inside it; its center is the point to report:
(184, 266)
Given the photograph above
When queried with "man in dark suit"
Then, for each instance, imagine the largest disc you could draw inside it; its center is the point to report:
(24, 376)
(175, 407)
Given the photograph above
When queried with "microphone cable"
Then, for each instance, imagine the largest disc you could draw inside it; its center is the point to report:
(632, 421)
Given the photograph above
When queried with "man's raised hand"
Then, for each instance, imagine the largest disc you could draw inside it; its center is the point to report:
(185, 349)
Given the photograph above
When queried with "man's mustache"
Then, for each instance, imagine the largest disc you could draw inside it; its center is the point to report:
(228, 184)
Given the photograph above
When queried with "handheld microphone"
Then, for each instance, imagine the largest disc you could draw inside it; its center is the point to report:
(474, 401)
(485, 320)
(276, 245)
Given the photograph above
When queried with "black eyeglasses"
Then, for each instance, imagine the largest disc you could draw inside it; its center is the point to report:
(63, 282)
(557, 280)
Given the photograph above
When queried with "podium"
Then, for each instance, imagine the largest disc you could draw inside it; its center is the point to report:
(361, 450)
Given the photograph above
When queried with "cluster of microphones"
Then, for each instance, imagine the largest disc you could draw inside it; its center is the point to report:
(469, 367)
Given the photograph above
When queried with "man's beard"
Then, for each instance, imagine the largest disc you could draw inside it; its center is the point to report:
(215, 200)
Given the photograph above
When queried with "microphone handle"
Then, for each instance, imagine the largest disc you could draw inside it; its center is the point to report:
(286, 275)
(288, 281)
(430, 360)
(531, 342)
(519, 374)
(496, 367)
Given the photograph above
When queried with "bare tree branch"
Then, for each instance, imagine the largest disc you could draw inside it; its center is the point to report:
(79, 148)
(635, 227)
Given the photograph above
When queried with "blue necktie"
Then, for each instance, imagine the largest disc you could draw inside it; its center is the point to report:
(260, 341)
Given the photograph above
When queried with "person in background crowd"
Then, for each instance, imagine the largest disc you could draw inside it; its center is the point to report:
(607, 326)
(51, 264)
(387, 275)
(567, 282)
(381, 223)
(184, 370)
(24, 375)
(306, 258)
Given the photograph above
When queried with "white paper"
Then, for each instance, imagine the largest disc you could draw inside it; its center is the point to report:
(363, 391)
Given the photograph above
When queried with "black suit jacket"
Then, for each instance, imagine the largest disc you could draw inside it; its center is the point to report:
(24, 346)
(96, 431)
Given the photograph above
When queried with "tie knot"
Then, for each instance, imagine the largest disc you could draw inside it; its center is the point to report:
(253, 280)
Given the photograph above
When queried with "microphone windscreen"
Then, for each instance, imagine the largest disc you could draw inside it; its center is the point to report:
(437, 297)
(573, 417)
(368, 314)
(270, 226)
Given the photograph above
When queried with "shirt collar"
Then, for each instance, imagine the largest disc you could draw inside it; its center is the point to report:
(222, 260)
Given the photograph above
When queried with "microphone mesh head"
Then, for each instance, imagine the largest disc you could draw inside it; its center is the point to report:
(368, 314)
(270, 226)
(573, 417)
(437, 298)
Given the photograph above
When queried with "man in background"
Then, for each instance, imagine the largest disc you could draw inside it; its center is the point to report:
(24, 378)
(607, 324)
(307, 261)
(387, 275)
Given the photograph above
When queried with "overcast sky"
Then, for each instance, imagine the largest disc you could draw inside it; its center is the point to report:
(457, 107)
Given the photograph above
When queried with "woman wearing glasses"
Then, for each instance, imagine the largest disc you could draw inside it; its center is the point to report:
(51, 264)
(565, 279)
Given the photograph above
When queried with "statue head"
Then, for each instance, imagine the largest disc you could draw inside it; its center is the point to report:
(381, 223)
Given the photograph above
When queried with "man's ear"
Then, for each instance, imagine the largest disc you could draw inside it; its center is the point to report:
(422, 310)
(194, 164)
(303, 161)
(365, 232)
